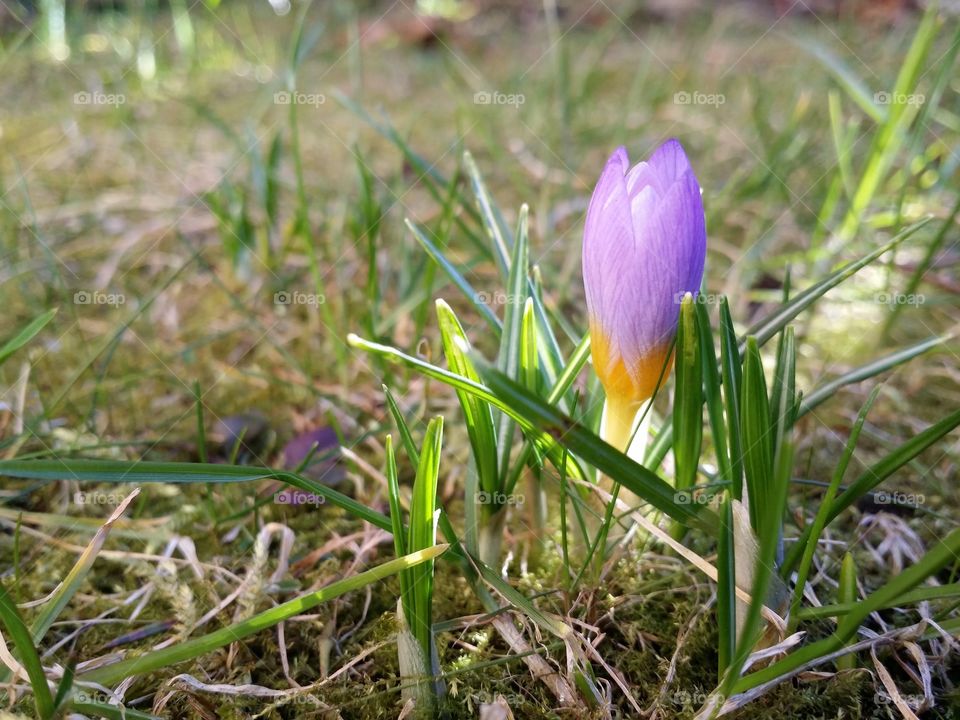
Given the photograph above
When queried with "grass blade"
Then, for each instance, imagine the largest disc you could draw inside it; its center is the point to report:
(423, 531)
(732, 376)
(396, 518)
(520, 601)
(768, 543)
(456, 277)
(921, 594)
(529, 368)
(783, 393)
(476, 412)
(492, 218)
(688, 400)
(756, 434)
(27, 652)
(768, 328)
(869, 370)
(114, 471)
(111, 712)
(710, 369)
(405, 435)
(847, 593)
(26, 334)
(848, 79)
(726, 589)
(883, 469)
(74, 579)
(508, 358)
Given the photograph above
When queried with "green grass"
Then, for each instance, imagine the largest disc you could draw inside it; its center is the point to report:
(179, 246)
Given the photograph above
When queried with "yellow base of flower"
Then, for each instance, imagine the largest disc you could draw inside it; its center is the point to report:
(618, 418)
(627, 392)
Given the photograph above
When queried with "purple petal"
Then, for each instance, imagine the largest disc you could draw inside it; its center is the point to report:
(608, 232)
(641, 176)
(670, 261)
(670, 162)
(620, 154)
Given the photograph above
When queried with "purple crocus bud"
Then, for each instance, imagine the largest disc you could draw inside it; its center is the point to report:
(644, 246)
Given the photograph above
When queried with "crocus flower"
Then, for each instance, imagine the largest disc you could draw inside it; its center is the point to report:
(644, 246)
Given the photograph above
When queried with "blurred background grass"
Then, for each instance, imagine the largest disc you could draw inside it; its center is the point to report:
(118, 194)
